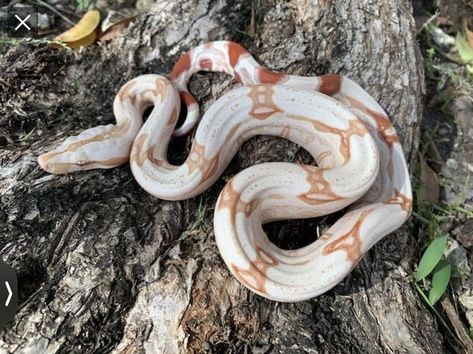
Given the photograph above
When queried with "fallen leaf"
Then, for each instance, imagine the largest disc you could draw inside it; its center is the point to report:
(83, 42)
(83, 33)
(465, 47)
(436, 161)
(114, 30)
(429, 189)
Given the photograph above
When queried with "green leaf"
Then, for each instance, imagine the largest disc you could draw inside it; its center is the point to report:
(464, 48)
(431, 257)
(440, 279)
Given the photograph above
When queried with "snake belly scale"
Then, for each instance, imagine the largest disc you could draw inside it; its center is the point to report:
(359, 163)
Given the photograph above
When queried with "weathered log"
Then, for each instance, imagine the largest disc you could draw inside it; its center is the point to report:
(105, 267)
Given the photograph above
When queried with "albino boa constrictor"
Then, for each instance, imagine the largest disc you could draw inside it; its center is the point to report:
(359, 159)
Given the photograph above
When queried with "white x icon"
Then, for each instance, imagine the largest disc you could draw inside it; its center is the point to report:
(22, 22)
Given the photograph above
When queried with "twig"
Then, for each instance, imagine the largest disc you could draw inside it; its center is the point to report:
(429, 21)
(458, 326)
(5, 83)
(45, 4)
(17, 41)
(434, 310)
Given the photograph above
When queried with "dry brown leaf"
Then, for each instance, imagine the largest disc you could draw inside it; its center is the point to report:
(468, 33)
(436, 161)
(83, 33)
(442, 21)
(429, 190)
(83, 42)
(114, 30)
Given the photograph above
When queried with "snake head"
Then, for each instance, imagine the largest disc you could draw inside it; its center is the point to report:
(70, 156)
(98, 147)
(61, 162)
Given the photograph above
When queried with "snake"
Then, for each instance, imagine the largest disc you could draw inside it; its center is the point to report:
(359, 164)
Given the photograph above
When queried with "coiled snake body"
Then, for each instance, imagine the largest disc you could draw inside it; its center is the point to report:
(359, 160)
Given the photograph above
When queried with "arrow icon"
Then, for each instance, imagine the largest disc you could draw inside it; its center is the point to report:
(10, 294)
(8, 291)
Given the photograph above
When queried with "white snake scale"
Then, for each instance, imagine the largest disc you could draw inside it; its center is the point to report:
(358, 154)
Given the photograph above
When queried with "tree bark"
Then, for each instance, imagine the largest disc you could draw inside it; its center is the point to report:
(105, 267)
